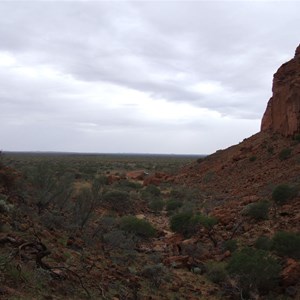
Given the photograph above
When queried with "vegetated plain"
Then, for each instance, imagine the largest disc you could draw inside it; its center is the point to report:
(78, 227)
(116, 226)
(86, 164)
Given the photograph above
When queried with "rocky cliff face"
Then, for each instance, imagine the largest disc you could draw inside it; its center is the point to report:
(283, 110)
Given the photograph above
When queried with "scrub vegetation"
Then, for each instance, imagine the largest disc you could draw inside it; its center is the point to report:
(121, 227)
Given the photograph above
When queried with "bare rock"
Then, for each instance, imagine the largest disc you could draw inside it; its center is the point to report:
(283, 110)
(136, 175)
(291, 273)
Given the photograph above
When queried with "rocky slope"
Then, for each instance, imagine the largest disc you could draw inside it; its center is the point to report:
(259, 163)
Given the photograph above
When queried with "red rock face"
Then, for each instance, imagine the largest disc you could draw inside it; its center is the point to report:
(283, 110)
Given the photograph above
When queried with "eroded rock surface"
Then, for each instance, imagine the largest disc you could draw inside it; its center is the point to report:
(283, 110)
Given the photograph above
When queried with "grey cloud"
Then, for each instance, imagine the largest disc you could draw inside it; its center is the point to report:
(160, 48)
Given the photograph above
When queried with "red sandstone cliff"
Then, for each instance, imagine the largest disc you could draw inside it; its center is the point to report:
(283, 110)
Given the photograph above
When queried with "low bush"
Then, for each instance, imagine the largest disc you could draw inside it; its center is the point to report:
(263, 243)
(257, 211)
(230, 245)
(254, 270)
(172, 205)
(156, 274)
(152, 190)
(187, 223)
(270, 150)
(181, 223)
(118, 200)
(207, 221)
(193, 250)
(285, 153)
(216, 272)
(296, 138)
(120, 239)
(127, 185)
(283, 193)
(286, 244)
(157, 205)
(177, 193)
(137, 226)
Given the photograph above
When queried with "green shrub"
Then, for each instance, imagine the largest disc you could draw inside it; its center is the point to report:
(209, 176)
(188, 207)
(102, 180)
(252, 158)
(48, 188)
(283, 193)
(296, 137)
(173, 205)
(257, 211)
(216, 272)
(118, 200)
(254, 270)
(150, 193)
(178, 193)
(152, 190)
(286, 244)
(270, 150)
(120, 239)
(230, 245)
(207, 221)
(285, 153)
(181, 223)
(137, 226)
(127, 185)
(156, 205)
(187, 223)
(263, 243)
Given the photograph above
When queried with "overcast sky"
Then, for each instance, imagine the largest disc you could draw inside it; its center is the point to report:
(139, 76)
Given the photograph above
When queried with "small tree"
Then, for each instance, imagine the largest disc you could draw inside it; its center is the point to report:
(83, 208)
(86, 202)
(209, 223)
(47, 188)
(254, 270)
(187, 223)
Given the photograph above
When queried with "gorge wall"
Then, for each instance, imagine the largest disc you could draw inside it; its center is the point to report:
(282, 114)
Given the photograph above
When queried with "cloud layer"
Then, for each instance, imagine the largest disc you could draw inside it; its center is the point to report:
(160, 76)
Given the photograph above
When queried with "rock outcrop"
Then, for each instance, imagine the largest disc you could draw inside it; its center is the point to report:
(283, 110)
